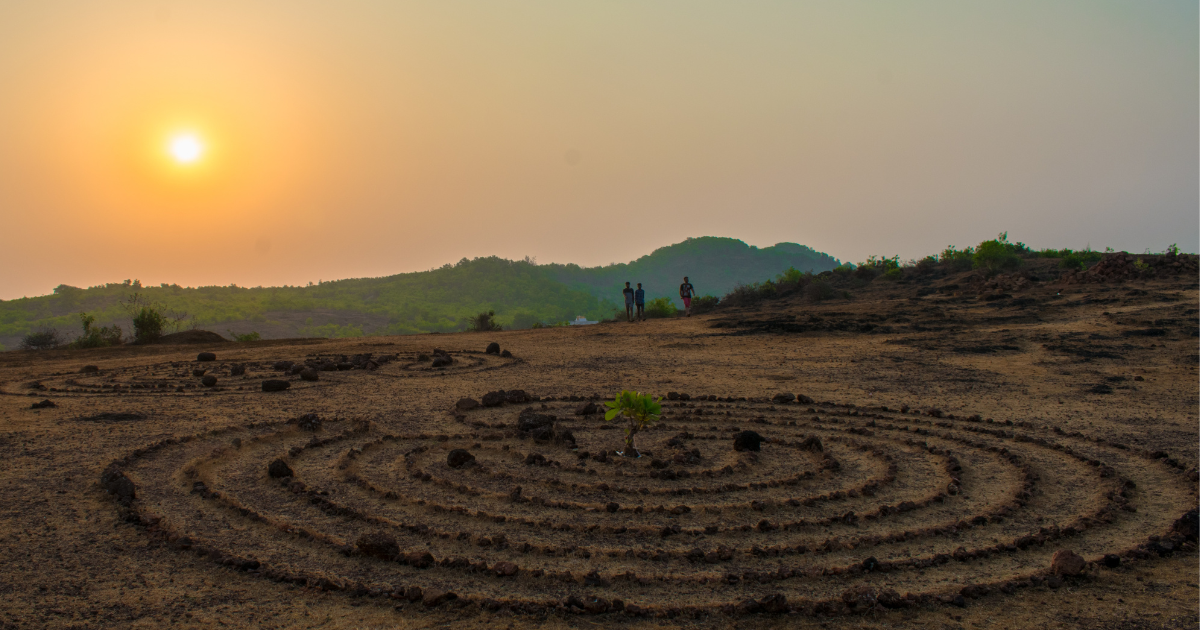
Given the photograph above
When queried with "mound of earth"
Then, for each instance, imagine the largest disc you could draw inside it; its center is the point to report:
(190, 337)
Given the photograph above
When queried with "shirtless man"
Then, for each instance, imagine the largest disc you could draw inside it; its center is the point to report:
(686, 291)
(628, 302)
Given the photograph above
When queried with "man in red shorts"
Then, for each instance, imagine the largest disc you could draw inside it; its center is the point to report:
(686, 291)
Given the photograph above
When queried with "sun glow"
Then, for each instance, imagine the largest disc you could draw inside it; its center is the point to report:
(186, 148)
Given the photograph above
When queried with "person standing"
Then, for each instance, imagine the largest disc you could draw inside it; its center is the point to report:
(628, 302)
(639, 299)
(686, 291)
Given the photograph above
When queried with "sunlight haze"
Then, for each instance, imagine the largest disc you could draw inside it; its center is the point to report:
(270, 143)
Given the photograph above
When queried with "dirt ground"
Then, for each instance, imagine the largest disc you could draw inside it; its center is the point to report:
(960, 442)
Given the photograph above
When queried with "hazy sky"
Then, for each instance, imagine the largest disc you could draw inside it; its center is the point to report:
(364, 138)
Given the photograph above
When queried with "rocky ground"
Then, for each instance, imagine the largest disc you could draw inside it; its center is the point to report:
(961, 452)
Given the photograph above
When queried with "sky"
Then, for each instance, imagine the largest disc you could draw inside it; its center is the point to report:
(364, 138)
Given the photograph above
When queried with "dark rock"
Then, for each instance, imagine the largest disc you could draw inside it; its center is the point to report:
(505, 569)
(206, 356)
(89, 369)
(282, 366)
(1112, 560)
(587, 409)
(535, 459)
(378, 545)
(198, 372)
(565, 438)
(459, 457)
(1066, 562)
(812, 443)
(297, 368)
(436, 596)
(279, 469)
(747, 441)
(1102, 388)
(528, 422)
(117, 484)
(237, 370)
(418, 559)
(466, 404)
(672, 395)
(493, 399)
(274, 385)
(209, 381)
(309, 374)
(595, 579)
(328, 366)
(804, 400)
(345, 366)
(612, 507)
(891, 599)
(861, 597)
(1188, 525)
(774, 604)
(492, 348)
(542, 434)
(516, 397)
(308, 422)
(45, 404)
(783, 398)
(506, 354)
(441, 360)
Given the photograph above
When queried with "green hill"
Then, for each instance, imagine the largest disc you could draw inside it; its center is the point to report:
(440, 300)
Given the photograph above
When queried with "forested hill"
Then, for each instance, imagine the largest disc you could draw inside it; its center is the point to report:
(715, 265)
(440, 300)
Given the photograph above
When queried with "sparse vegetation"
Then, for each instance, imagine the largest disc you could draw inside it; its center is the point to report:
(998, 254)
(42, 339)
(484, 322)
(641, 410)
(97, 336)
(250, 336)
(661, 307)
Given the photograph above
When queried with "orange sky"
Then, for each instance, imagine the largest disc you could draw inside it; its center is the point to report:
(364, 138)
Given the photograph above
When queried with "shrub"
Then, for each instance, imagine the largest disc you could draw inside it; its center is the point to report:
(662, 307)
(1078, 260)
(148, 324)
(819, 291)
(893, 274)
(250, 336)
(641, 410)
(996, 255)
(704, 304)
(94, 337)
(41, 339)
(926, 264)
(957, 259)
(484, 322)
(792, 276)
(550, 325)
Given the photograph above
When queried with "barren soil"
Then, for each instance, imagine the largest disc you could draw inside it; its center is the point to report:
(960, 443)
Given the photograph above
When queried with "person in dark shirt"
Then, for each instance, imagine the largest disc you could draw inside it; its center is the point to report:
(686, 291)
(628, 302)
(639, 299)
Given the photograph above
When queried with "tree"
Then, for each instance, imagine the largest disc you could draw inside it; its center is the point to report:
(641, 410)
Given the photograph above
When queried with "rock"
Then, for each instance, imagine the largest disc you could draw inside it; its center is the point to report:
(565, 438)
(345, 366)
(441, 360)
(861, 597)
(309, 374)
(506, 354)
(505, 569)
(672, 395)
(198, 372)
(237, 370)
(308, 422)
(117, 484)
(612, 507)
(535, 459)
(436, 596)
(89, 369)
(209, 381)
(542, 434)
(274, 385)
(459, 457)
(812, 443)
(528, 422)
(804, 400)
(783, 398)
(595, 579)
(493, 399)
(279, 469)
(206, 356)
(296, 369)
(45, 404)
(587, 409)
(1112, 560)
(1188, 525)
(516, 397)
(775, 604)
(418, 559)
(492, 348)
(378, 545)
(329, 366)
(747, 441)
(891, 599)
(466, 404)
(1102, 388)
(1066, 562)
(282, 366)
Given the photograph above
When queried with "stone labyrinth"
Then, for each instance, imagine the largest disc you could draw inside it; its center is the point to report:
(208, 376)
(519, 502)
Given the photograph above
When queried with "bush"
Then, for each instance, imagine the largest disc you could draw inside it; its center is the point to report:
(819, 291)
(484, 322)
(996, 255)
(97, 337)
(792, 276)
(927, 264)
(704, 304)
(250, 336)
(537, 325)
(148, 324)
(662, 307)
(959, 260)
(41, 339)
(893, 274)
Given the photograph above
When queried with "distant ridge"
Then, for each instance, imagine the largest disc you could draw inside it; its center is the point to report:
(520, 292)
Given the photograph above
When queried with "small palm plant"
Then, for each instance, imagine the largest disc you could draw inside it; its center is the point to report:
(641, 410)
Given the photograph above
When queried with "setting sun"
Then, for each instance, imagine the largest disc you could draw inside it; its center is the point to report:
(186, 148)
